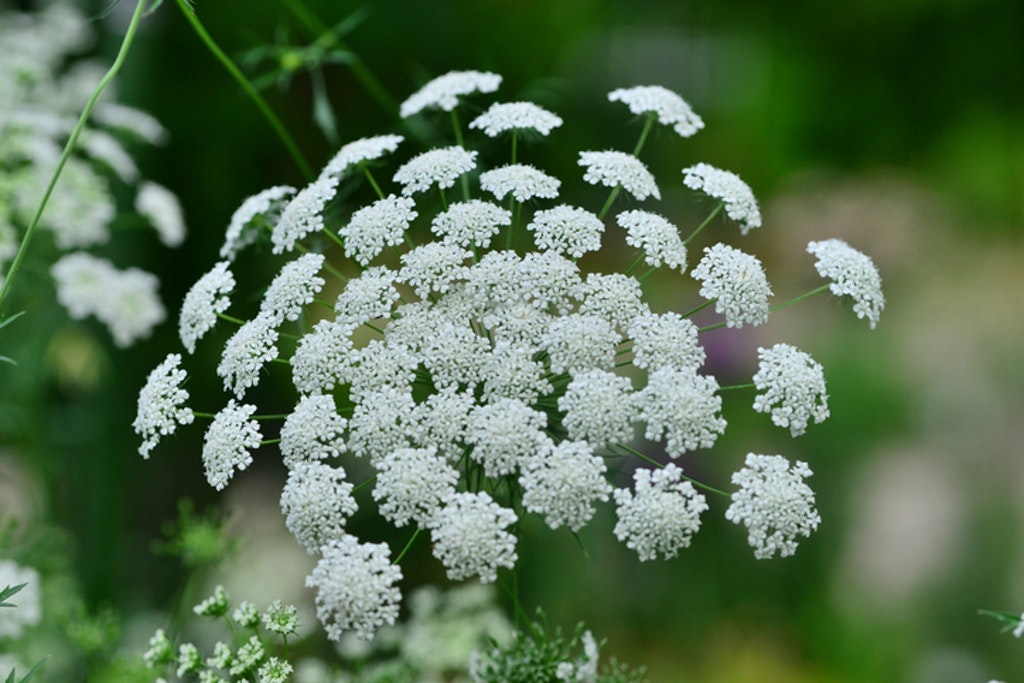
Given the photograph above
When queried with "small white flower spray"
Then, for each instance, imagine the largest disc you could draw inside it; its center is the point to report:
(480, 370)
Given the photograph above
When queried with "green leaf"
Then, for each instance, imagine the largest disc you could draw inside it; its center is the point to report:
(32, 673)
(9, 591)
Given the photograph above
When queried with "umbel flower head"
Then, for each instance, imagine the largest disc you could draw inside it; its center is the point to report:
(470, 367)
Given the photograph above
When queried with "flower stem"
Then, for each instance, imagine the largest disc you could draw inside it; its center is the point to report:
(805, 295)
(648, 125)
(408, 544)
(608, 202)
(693, 481)
(733, 387)
(373, 183)
(463, 179)
(248, 87)
(69, 147)
(702, 225)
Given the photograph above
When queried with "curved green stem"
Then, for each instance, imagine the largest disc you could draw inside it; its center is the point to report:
(373, 183)
(69, 147)
(408, 544)
(249, 88)
(805, 295)
(608, 202)
(648, 125)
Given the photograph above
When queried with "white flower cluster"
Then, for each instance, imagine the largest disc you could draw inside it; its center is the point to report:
(42, 87)
(475, 366)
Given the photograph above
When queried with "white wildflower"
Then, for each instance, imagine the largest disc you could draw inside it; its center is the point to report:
(684, 407)
(303, 214)
(79, 210)
(161, 406)
(251, 347)
(323, 358)
(774, 503)
(356, 587)
(130, 120)
(257, 213)
(853, 274)
(469, 537)
(567, 229)
(658, 238)
(82, 282)
(599, 408)
(563, 483)
(793, 386)
(227, 443)
(444, 91)
(360, 151)
(367, 297)
(104, 148)
(522, 181)
(576, 343)
(380, 365)
(374, 227)
(512, 371)
(207, 297)
(161, 207)
(441, 167)
(665, 340)
(740, 204)
(736, 281)
(615, 297)
(503, 433)
(472, 223)
(312, 431)
(293, 288)
(131, 307)
(413, 484)
(433, 267)
(316, 503)
(661, 516)
(546, 279)
(440, 421)
(670, 108)
(506, 116)
(619, 169)
(383, 422)
(274, 670)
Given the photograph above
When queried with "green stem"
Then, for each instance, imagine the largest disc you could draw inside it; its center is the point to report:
(702, 225)
(231, 319)
(69, 147)
(700, 308)
(373, 183)
(515, 144)
(249, 88)
(643, 134)
(408, 545)
(639, 259)
(733, 387)
(693, 481)
(608, 202)
(464, 179)
(806, 295)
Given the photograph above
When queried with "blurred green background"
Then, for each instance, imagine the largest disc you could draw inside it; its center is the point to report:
(898, 126)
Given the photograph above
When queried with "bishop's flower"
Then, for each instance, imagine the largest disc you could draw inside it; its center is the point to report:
(563, 483)
(303, 215)
(665, 340)
(361, 151)
(444, 91)
(252, 346)
(229, 438)
(470, 539)
(774, 503)
(242, 231)
(853, 274)
(505, 116)
(413, 484)
(207, 298)
(374, 227)
(293, 288)
(670, 108)
(740, 204)
(658, 238)
(578, 342)
(599, 408)
(793, 386)
(661, 516)
(312, 431)
(619, 169)
(441, 167)
(161, 405)
(356, 587)
(567, 229)
(736, 282)
(522, 181)
(470, 223)
(316, 502)
(683, 407)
